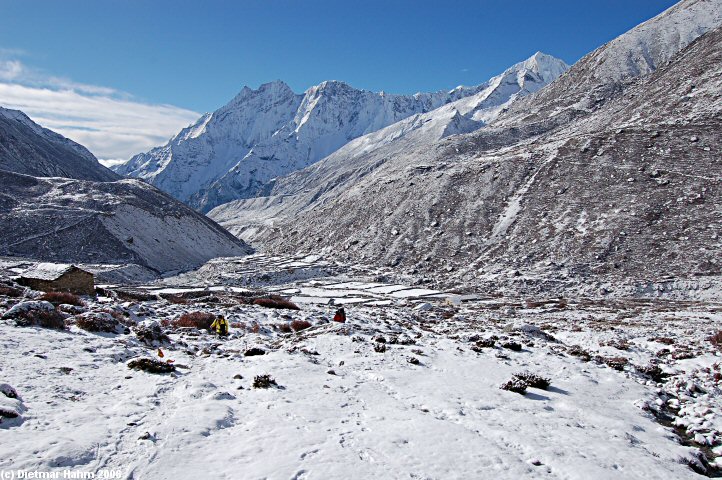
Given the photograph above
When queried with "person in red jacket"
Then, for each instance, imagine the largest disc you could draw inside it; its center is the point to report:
(340, 315)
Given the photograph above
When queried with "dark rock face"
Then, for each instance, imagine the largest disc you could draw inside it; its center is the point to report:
(28, 148)
(629, 190)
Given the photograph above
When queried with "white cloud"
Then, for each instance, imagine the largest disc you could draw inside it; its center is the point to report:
(109, 123)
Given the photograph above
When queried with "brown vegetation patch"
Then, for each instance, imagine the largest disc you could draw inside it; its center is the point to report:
(41, 318)
(58, 298)
(275, 301)
(199, 320)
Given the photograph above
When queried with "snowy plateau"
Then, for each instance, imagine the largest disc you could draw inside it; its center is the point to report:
(529, 272)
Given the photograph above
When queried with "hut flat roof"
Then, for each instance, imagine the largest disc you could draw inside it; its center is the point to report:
(47, 271)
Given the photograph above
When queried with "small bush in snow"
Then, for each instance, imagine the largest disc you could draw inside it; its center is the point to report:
(298, 325)
(151, 365)
(652, 371)
(151, 334)
(41, 318)
(617, 363)
(577, 351)
(275, 301)
(254, 351)
(716, 340)
(199, 320)
(263, 381)
(380, 347)
(533, 380)
(515, 385)
(619, 344)
(284, 327)
(57, 298)
(514, 346)
(98, 322)
(11, 291)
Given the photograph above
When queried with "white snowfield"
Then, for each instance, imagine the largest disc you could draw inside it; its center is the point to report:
(341, 409)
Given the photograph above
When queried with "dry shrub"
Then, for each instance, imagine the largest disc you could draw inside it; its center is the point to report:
(121, 317)
(10, 291)
(653, 371)
(616, 343)
(199, 320)
(533, 380)
(617, 363)
(152, 335)
(41, 318)
(97, 322)
(577, 351)
(515, 385)
(513, 346)
(151, 365)
(380, 347)
(284, 327)
(58, 298)
(237, 325)
(254, 328)
(275, 301)
(683, 354)
(716, 340)
(264, 381)
(298, 325)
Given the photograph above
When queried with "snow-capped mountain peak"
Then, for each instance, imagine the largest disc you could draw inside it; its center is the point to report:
(547, 67)
(271, 131)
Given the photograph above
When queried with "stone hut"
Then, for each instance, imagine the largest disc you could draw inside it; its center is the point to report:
(54, 277)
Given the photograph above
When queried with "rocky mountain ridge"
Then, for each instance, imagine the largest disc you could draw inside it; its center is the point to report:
(266, 133)
(26, 147)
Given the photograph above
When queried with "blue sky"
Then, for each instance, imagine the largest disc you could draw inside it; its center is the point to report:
(194, 56)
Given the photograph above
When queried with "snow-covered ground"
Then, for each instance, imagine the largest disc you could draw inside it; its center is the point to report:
(342, 408)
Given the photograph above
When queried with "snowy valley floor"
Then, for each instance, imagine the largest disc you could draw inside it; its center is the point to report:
(429, 406)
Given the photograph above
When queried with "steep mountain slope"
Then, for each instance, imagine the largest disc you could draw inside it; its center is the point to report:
(630, 191)
(122, 222)
(602, 74)
(596, 79)
(265, 133)
(26, 147)
(244, 217)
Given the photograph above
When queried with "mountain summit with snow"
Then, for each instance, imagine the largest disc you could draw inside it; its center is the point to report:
(272, 131)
